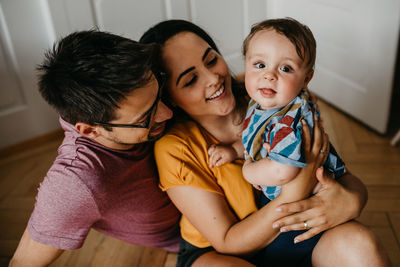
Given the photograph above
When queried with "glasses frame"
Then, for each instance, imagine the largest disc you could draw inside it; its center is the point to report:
(161, 78)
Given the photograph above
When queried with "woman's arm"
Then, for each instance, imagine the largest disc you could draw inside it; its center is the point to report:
(212, 217)
(210, 214)
(337, 202)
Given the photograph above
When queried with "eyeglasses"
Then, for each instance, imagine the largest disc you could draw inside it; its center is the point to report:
(161, 78)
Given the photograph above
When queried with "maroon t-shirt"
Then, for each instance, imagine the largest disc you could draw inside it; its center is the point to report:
(116, 192)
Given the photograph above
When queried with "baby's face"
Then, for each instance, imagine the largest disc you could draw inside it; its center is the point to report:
(274, 73)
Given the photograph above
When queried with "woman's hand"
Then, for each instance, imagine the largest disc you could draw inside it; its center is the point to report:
(302, 185)
(332, 205)
(317, 152)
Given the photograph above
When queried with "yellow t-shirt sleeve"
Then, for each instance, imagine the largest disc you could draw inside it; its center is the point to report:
(182, 161)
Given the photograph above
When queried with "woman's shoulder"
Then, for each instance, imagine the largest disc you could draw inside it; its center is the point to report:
(183, 128)
(180, 135)
(180, 131)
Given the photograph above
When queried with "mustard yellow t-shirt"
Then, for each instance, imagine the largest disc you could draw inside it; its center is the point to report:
(182, 160)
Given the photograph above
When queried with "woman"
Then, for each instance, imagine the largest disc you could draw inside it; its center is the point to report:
(219, 213)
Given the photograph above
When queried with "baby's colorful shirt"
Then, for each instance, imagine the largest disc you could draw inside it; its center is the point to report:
(281, 129)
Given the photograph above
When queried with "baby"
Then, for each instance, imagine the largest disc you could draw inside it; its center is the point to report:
(279, 64)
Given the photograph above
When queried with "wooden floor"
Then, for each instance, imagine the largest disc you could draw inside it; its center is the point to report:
(366, 154)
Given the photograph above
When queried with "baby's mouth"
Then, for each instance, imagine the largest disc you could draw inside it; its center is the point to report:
(267, 92)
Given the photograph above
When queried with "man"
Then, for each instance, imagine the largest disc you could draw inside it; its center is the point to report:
(107, 91)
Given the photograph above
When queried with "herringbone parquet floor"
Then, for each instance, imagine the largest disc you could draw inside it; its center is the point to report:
(366, 154)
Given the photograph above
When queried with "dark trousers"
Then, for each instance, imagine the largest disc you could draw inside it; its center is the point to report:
(283, 252)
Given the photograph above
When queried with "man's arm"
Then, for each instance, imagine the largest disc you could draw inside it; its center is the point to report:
(31, 253)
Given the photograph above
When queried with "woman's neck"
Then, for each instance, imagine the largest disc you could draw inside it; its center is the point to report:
(225, 129)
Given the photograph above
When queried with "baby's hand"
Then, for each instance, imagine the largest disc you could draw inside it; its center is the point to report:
(256, 186)
(317, 188)
(267, 147)
(221, 154)
(247, 160)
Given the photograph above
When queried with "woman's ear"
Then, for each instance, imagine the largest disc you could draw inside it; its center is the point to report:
(308, 77)
(87, 130)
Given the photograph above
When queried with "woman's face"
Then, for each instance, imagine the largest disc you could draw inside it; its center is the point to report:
(199, 80)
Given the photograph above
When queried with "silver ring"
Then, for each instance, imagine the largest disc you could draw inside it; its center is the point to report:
(323, 152)
(306, 225)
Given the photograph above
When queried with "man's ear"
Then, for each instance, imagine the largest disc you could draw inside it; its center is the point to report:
(308, 77)
(87, 130)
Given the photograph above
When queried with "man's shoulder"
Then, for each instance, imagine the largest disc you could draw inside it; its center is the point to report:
(78, 162)
(76, 150)
(93, 163)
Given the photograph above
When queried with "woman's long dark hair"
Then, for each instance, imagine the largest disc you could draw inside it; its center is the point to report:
(163, 31)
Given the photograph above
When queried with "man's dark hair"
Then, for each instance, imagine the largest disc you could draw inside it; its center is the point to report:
(87, 74)
(298, 34)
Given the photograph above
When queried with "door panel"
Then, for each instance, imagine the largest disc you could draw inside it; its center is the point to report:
(128, 18)
(23, 113)
(356, 52)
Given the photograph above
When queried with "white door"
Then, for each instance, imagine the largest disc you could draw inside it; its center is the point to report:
(28, 28)
(357, 44)
(23, 37)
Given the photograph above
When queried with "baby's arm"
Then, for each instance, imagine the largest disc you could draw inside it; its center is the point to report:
(267, 172)
(222, 154)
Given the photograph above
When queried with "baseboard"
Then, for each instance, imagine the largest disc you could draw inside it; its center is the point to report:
(31, 143)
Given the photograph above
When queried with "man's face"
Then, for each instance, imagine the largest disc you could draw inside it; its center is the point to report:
(136, 109)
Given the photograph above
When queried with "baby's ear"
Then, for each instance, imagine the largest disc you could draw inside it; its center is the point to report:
(308, 77)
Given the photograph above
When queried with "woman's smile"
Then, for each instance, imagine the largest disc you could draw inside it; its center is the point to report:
(220, 93)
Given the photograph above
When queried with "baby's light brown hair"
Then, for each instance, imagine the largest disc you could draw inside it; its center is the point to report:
(298, 34)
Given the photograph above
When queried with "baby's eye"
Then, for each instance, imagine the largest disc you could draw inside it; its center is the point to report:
(286, 68)
(259, 65)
